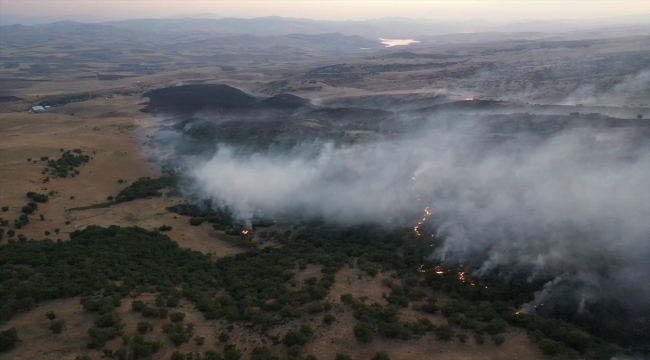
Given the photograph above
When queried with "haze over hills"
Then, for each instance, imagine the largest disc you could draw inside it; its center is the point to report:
(385, 27)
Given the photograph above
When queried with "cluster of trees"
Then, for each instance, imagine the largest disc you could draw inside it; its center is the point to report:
(146, 187)
(258, 286)
(56, 325)
(489, 305)
(29, 209)
(66, 164)
(221, 218)
(36, 197)
(252, 286)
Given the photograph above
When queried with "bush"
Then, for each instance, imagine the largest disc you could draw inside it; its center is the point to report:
(224, 337)
(138, 305)
(164, 228)
(341, 356)
(57, 326)
(177, 316)
(8, 339)
(381, 356)
(212, 355)
(444, 332)
(36, 197)
(550, 347)
(144, 327)
(498, 340)
(462, 337)
(329, 319)
(480, 339)
(231, 353)
(199, 340)
(294, 351)
(294, 338)
(177, 356)
(347, 299)
(262, 353)
(173, 302)
(50, 315)
(5, 208)
(363, 332)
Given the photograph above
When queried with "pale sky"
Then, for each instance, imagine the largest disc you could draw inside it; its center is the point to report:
(494, 10)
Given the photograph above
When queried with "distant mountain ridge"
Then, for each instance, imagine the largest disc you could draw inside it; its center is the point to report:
(393, 27)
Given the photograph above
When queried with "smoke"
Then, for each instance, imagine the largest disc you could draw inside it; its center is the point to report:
(630, 89)
(575, 206)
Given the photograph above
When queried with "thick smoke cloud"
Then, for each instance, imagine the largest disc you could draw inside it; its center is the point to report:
(575, 206)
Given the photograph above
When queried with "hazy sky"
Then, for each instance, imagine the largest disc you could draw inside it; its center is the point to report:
(496, 10)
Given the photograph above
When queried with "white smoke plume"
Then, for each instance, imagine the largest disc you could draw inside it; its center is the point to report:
(632, 88)
(576, 204)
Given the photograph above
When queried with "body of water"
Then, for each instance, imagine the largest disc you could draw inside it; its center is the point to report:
(398, 42)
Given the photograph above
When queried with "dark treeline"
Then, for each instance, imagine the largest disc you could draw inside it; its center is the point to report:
(257, 286)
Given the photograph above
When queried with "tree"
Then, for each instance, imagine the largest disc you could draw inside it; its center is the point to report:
(8, 339)
(177, 316)
(498, 340)
(177, 356)
(381, 356)
(550, 347)
(480, 339)
(144, 327)
(262, 353)
(444, 332)
(294, 351)
(306, 330)
(294, 337)
(57, 326)
(231, 353)
(329, 319)
(639, 116)
(212, 355)
(50, 315)
(224, 337)
(363, 332)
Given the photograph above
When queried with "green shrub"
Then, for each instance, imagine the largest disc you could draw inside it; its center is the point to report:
(342, 356)
(444, 332)
(57, 326)
(199, 340)
(329, 319)
(8, 339)
(144, 327)
(550, 347)
(381, 356)
(363, 332)
(50, 315)
(177, 316)
(224, 337)
(498, 340)
(294, 338)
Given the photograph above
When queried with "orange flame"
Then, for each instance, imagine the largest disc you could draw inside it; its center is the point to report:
(427, 213)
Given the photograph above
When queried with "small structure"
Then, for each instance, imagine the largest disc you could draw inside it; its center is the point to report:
(37, 109)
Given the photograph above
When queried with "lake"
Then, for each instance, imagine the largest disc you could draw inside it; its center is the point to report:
(398, 42)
